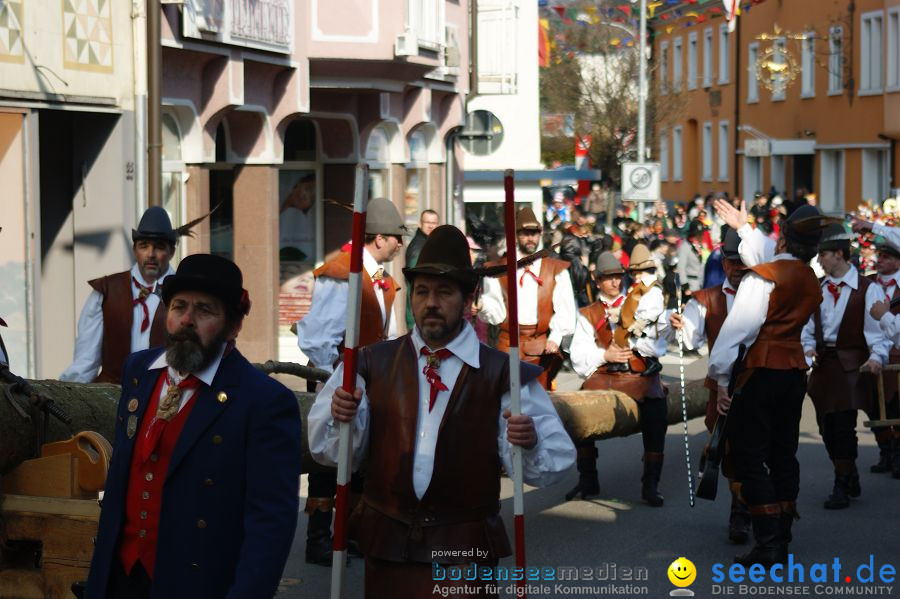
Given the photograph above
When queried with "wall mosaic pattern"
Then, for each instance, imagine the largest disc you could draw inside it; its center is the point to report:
(87, 35)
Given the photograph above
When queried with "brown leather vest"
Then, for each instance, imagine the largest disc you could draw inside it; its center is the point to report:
(372, 327)
(550, 267)
(631, 383)
(460, 509)
(852, 348)
(629, 307)
(793, 300)
(118, 316)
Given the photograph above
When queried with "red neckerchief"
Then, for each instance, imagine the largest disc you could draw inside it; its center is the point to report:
(432, 363)
(143, 293)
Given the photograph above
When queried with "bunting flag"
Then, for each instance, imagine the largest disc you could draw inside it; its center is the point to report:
(543, 43)
(625, 9)
(651, 8)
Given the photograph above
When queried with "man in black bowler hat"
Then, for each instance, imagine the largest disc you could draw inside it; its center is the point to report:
(202, 494)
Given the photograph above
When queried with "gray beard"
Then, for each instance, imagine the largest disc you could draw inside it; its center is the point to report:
(186, 353)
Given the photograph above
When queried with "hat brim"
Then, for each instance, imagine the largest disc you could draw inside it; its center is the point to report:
(888, 249)
(645, 265)
(465, 276)
(137, 235)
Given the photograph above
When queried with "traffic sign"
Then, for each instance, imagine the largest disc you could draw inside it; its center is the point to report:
(640, 181)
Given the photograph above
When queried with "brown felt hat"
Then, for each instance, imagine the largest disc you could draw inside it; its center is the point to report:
(640, 258)
(445, 254)
(526, 220)
(607, 264)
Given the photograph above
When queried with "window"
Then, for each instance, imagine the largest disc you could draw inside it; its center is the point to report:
(692, 61)
(832, 181)
(723, 54)
(378, 157)
(677, 64)
(808, 66)
(871, 50)
(664, 155)
(497, 47)
(664, 67)
(416, 196)
(707, 152)
(482, 133)
(707, 57)
(752, 83)
(893, 48)
(874, 175)
(780, 86)
(835, 61)
(724, 152)
(676, 154)
(776, 173)
(426, 18)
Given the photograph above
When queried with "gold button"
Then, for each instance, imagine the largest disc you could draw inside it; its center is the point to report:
(143, 515)
(145, 495)
(217, 439)
(148, 477)
(201, 523)
(134, 382)
(222, 397)
(153, 457)
(208, 482)
(195, 566)
(142, 533)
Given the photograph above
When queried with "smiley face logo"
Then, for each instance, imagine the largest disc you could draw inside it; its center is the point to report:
(682, 572)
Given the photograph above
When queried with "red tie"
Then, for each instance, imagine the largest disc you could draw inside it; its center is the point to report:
(616, 303)
(158, 425)
(886, 285)
(379, 281)
(432, 363)
(141, 299)
(729, 290)
(527, 271)
(835, 290)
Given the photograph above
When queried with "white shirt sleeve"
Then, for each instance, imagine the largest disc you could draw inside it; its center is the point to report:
(88, 342)
(550, 460)
(562, 322)
(694, 319)
(888, 324)
(584, 353)
(879, 344)
(891, 234)
(747, 315)
(755, 248)
(324, 433)
(493, 308)
(808, 336)
(321, 331)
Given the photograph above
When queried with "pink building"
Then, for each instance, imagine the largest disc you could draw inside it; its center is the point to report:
(269, 104)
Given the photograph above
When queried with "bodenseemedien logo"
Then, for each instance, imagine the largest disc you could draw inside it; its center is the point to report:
(682, 573)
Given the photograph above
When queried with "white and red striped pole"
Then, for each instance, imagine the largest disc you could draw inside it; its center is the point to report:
(515, 391)
(351, 343)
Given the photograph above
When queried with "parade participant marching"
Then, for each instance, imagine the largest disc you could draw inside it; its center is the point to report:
(201, 498)
(547, 307)
(320, 335)
(121, 314)
(597, 354)
(888, 277)
(773, 303)
(431, 419)
(703, 317)
(847, 347)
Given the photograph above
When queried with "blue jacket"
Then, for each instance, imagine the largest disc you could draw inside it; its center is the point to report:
(244, 486)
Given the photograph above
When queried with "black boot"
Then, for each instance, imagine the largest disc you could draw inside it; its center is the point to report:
(766, 520)
(318, 532)
(739, 520)
(653, 463)
(844, 486)
(653, 367)
(786, 521)
(885, 452)
(588, 486)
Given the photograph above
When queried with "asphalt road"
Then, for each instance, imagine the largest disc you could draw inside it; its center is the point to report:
(615, 533)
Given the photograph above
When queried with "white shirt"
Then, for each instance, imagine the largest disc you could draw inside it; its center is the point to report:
(545, 464)
(206, 375)
(89, 340)
(562, 323)
(890, 234)
(889, 323)
(321, 331)
(694, 318)
(833, 314)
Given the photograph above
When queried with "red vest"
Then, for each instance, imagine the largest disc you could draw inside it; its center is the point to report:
(143, 499)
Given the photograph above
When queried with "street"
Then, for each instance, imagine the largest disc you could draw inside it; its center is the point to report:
(617, 532)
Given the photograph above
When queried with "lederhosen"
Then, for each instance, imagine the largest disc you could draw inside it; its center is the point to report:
(118, 317)
(372, 329)
(764, 422)
(397, 531)
(836, 386)
(533, 338)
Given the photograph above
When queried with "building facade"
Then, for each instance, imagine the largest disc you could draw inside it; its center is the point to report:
(800, 98)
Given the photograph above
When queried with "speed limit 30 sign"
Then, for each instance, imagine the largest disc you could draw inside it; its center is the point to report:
(640, 182)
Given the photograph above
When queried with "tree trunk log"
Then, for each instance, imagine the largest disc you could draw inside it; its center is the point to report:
(587, 415)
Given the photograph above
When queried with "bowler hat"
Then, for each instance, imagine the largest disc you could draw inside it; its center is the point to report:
(383, 218)
(805, 224)
(526, 220)
(211, 274)
(155, 224)
(608, 264)
(641, 258)
(884, 246)
(835, 237)
(445, 254)
(730, 244)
